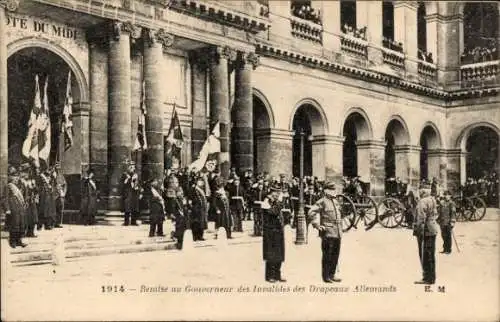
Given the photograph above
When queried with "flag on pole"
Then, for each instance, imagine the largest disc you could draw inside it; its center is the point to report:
(208, 153)
(67, 123)
(140, 139)
(44, 129)
(30, 144)
(174, 142)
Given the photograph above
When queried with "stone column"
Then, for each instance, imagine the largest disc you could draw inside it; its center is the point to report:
(371, 164)
(279, 14)
(4, 112)
(154, 42)
(274, 151)
(408, 164)
(431, 22)
(405, 31)
(327, 157)
(455, 169)
(199, 101)
(119, 121)
(448, 49)
(219, 101)
(436, 163)
(98, 127)
(330, 11)
(242, 114)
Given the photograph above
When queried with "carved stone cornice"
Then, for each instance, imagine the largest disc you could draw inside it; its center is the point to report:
(10, 5)
(223, 52)
(251, 59)
(118, 27)
(159, 36)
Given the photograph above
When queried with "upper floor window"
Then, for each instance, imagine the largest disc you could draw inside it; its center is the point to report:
(348, 20)
(480, 32)
(422, 35)
(388, 27)
(303, 9)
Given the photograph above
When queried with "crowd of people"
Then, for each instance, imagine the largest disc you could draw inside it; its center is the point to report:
(306, 12)
(485, 187)
(392, 44)
(354, 32)
(425, 56)
(35, 201)
(479, 54)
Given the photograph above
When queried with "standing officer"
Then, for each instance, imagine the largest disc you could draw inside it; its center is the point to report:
(199, 209)
(16, 209)
(329, 225)
(30, 194)
(273, 235)
(47, 203)
(258, 197)
(425, 229)
(90, 197)
(286, 203)
(221, 208)
(181, 216)
(237, 203)
(446, 220)
(156, 210)
(60, 194)
(131, 191)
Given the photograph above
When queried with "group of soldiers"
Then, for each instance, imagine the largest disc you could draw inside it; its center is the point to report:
(34, 200)
(486, 187)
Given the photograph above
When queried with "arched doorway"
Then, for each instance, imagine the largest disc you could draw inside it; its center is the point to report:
(482, 152)
(429, 143)
(396, 154)
(355, 128)
(23, 65)
(308, 119)
(261, 126)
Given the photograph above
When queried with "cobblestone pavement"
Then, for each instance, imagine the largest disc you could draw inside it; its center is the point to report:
(177, 282)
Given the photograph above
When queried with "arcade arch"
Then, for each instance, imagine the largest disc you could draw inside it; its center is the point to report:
(356, 128)
(397, 150)
(263, 121)
(430, 145)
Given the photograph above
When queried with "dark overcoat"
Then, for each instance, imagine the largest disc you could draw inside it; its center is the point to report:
(17, 207)
(90, 195)
(273, 233)
(131, 193)
(156, 209)
(31, 197)
(223, 213)
(199, 207)
(47, 206)
(182, 216)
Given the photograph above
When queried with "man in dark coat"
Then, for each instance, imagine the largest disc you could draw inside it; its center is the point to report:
(273, 241)
(222, 209)
(15, 209)
(181, 216)
(326, 218)
(47, 207)
(156, 210)
(90, 196)
(425, 229)
(199, 209)
(259, 193)
(446, 220)
(286, 201)
(131, 192)
(237, 203)
(30, 194)
(61, 189)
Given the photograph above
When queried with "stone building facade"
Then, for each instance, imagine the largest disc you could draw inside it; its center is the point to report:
(260, 70)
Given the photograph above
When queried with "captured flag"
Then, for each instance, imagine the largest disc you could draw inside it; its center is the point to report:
(173, 142)
(140, 139)
(44, 129)
(30, 144)
(208, 152)
(67, 123)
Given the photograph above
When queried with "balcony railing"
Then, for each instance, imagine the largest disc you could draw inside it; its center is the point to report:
(353, 45)
(480, 74)
(427, 69)
(306, 30)
(393, 58)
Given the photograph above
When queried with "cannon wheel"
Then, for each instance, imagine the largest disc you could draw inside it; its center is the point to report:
(463, 208)
(478, 209)
(347, 210)
(369, 209)
(391, 212)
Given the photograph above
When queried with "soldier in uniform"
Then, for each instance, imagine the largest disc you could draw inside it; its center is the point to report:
(15, 209)
(294, 199)
(237, 203)
(273, 241)
(199, 209)
(446, 220)
(329, 225)
(286, 203)
(90, 196)
(60, 194)
(47, 208)
(131, 192)
(425, 229)
(310, 198)
(182, 215)
(30, 194)
(259, 193)
(222, 210)
(156, 210)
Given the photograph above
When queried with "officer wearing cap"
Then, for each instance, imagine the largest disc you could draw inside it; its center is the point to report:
(131, 192)
(273, 235)
(61, 189)
(16, 209)
(425, 229)
(446, 220)
(326, 218)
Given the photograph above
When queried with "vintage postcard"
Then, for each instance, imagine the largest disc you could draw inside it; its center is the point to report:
(249, 160)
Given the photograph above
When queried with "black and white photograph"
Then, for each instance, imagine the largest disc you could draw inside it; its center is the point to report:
(249, 160)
